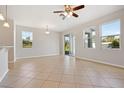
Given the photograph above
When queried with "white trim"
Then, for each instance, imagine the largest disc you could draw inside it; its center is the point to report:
(38, 56)
(14, 30)
(4, 75)
(100, 62)
(14, 60)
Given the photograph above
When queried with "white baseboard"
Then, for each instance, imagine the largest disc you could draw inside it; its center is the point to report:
(4, 75)
(101, 62)
(38, 56)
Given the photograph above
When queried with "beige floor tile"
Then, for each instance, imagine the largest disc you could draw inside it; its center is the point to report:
(83, 86)
(50, 84)
(69, 72)
(57, 71)
(67, 85)
(34, 83)
(9, 80)
(62, 71)
(102, 86)
(42, 76)
(116, 83)
(82, 80)
(68, 78)
(21, 83)
(113, 75)
(99, 82)
(55, 77)
(94, 74)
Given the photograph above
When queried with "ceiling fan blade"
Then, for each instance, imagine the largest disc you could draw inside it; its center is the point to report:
(58, 11)
(63, 17)
(75, 15)
(66, 6)
(78, 7)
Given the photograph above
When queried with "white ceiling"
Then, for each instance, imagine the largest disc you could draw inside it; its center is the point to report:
(42, 15)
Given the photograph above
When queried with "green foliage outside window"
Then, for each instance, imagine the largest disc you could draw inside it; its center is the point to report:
(114, 44)
(66, 47)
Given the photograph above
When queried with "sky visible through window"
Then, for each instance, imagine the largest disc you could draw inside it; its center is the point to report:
(26, 34)
(112, 28)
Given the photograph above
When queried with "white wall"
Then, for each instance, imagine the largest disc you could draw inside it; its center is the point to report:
(43, 44)
(7, 38)
(3, 62)
(109, 56)
(61, 43)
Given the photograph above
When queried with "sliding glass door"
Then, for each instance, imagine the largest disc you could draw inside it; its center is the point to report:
(69, 45)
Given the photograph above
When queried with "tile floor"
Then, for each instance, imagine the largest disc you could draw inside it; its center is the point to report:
(62, 72)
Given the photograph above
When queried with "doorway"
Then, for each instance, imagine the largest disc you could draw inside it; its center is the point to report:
(69, 45)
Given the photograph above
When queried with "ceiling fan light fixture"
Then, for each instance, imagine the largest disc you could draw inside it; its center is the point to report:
(2, 17)
(47, 32)
(65, 13)
(70, 13)
(6, 24)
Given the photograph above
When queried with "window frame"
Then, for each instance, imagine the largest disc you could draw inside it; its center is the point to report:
(86, 30)
(100, 33)
(22, 39)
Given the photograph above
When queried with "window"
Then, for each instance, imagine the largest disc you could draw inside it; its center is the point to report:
(90, 37)
(111, 34)
(27, 39)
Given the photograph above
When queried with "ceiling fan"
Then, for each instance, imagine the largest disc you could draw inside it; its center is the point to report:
(69, 11)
